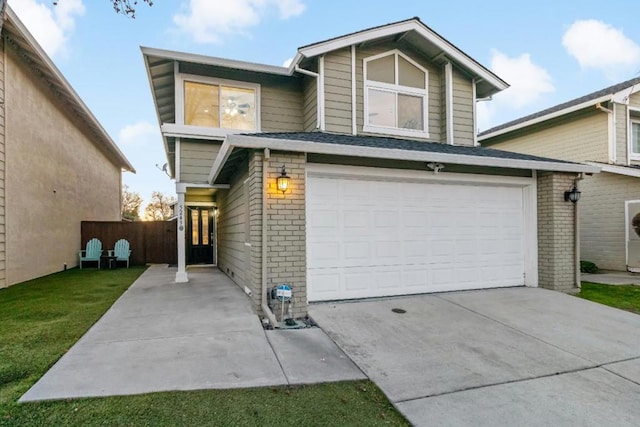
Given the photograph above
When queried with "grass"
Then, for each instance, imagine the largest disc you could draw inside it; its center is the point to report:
(42, 318)
(625, 297)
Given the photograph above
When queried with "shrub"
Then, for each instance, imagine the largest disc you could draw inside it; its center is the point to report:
(588, 267)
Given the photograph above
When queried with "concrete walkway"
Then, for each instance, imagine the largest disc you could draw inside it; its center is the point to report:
(612, 278)
(162, 336)
(519, 356)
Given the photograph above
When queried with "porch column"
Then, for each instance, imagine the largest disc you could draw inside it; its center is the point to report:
(181, 275)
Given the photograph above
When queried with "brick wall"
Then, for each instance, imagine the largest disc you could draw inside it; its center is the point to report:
(556, 232)
(286, 245)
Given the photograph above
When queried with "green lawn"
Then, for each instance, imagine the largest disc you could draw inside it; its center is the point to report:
(625, 297)
(41, 319)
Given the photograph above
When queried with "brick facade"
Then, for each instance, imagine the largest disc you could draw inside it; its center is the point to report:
(556, 232)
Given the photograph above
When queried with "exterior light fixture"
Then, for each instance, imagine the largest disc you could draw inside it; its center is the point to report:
(283, 181)
(573, 195)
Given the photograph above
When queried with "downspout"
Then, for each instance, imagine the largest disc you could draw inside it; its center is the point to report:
(448, 106)
(613, 146)
(576, 222)
(265, 193)
(317, 77)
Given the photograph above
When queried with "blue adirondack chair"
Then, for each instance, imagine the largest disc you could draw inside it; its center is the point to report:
(92, 252)
(121, 251)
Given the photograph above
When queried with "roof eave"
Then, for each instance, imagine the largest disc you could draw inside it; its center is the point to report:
(257, 142)
(55, 74)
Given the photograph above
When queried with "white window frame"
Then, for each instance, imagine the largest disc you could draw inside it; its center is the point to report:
(182, 78)
(632, 120)
(397, 89)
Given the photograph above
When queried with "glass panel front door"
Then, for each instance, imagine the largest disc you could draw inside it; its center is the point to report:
(201, 236)
(633, 235)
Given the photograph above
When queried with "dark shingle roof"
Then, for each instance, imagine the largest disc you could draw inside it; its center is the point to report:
(401, 144)
(592, 96)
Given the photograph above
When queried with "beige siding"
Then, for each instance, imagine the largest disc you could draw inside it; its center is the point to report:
(337, 90)
(602, 218)
(583, 138)
(232, 232)
(310, 86)
(634, 100)
(196, 159)
(3, 237)
(621, 133)
(55, 178)
(463, 130)
(435, 106)
(281, 107)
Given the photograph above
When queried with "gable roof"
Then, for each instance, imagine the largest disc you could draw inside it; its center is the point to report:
(418, 34)
(34, 56)
(389, 148)
(593, 98)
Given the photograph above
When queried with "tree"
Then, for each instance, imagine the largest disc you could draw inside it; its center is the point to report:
(130, 204)
(159, 208)
(125, 7)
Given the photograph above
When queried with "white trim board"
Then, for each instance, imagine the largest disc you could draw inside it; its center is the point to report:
(619, 170)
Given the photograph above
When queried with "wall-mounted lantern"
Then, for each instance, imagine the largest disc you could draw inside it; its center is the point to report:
(573, 195)
(283, 181)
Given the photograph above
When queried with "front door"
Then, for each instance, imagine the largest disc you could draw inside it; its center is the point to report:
(633, 235)
(201, 236)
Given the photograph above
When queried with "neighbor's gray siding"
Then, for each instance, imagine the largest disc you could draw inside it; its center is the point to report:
(337, 90)
(580, 137)
(602, 218)
(196, 159)
(463, 129)
(232, 232)
(621, 133)
(3, 254)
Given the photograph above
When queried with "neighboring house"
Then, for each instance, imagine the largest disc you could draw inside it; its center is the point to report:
(388, 193)
(601, 128)
(58, 166)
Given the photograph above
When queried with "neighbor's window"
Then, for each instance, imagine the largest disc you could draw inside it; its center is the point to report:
(395, 95)
(220, 106)
(635, 137)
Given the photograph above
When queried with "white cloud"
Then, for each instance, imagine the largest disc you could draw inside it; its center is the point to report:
(50, 25)
(528, 82)
(287, 62)
(208, 21)
(138, 133)
(600, 46)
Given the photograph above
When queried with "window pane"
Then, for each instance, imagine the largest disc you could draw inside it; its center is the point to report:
(382, 108)
(635, 137)
(194, 227)
(410, 75)
(410, 112)
(201, 105)
(205, 227)
(382, 69)
(238, 108)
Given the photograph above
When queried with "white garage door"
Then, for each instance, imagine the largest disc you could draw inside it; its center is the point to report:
(367, 237)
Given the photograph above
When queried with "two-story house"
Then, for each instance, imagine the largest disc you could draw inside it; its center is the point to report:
(603, 129)
(355, 172)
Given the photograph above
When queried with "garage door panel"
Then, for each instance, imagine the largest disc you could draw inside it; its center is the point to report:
(394, 238)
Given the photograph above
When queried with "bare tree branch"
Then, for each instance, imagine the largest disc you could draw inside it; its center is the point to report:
(125, 7)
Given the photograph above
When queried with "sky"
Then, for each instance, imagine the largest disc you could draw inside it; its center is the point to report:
(548, 51)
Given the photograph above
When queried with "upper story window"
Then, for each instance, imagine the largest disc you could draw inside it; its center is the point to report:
(395, 95)
(220, 104)
(635, 139)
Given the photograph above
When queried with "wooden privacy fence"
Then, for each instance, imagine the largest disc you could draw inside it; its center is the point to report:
(152, 242)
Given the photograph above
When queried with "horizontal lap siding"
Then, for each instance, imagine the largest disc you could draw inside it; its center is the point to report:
(583, 138)
(621, 133)
(337, 90)
(232, 211)
(196, 159)
(463, 129)
(310, 103)
(602, 218)
(281, 107)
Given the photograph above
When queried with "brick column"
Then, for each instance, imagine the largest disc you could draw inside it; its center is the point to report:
(556, 232)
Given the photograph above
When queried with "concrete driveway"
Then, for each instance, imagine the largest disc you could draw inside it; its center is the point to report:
(517, 356)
